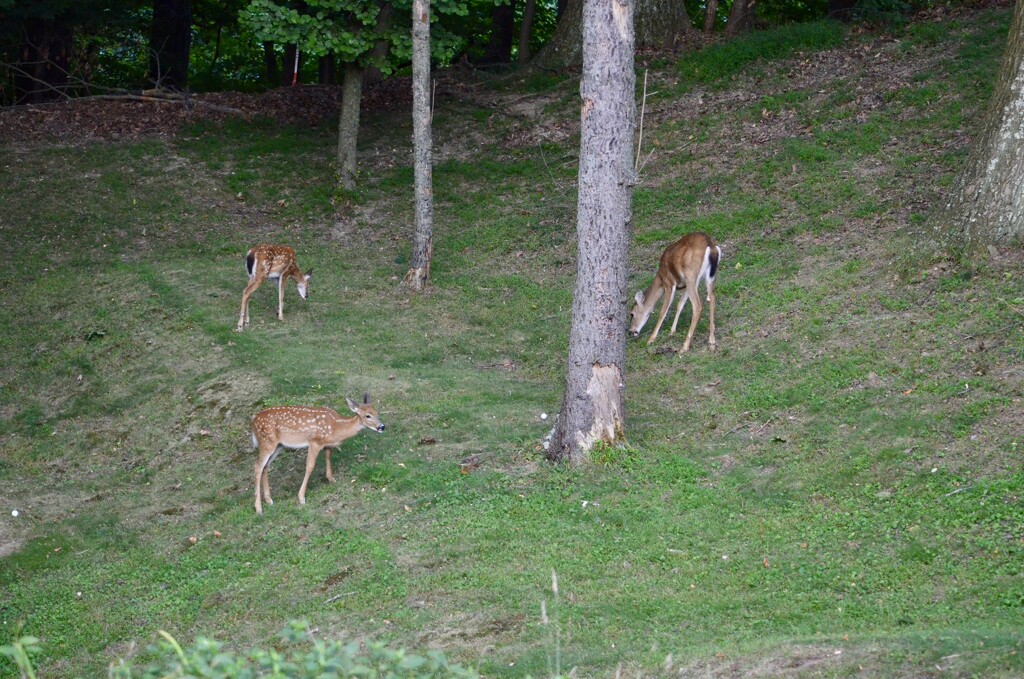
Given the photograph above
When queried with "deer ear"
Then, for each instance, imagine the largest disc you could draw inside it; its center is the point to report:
(352, 405)
(639, 297)
(366, 397)
(309, 274)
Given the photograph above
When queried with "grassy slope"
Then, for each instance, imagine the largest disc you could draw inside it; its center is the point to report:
(838, 487)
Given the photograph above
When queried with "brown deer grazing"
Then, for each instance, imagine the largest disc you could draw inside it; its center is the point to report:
(684, 264)
(274, 262)
(301, 427)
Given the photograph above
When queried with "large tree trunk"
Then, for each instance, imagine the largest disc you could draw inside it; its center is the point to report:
(418, 276)
(741, 16)
(659, 24)
(594, 406)
(44, 58)
(503, 30)
(986, 203)
(170, 39)
(348, 125)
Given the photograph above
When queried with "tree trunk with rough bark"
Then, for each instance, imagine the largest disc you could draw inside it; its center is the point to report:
(741, 17)
(348, 125)
(170, 40)
(710, 16)
(594, 407)
(526, 31)
(659, 24)
(418, 276)
(986, 203)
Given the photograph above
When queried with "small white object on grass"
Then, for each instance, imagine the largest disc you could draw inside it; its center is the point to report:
(14, 512)
(543, 416)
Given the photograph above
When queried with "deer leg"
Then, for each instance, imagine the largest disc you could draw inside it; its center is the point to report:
(330, 474)
(697, 308)
(666, 303)
(243, 315)
(679, 311)
(711, 304)
(280, 298)
(314, 449)
(260, 469)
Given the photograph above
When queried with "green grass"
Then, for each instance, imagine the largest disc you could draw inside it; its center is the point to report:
(842, 475)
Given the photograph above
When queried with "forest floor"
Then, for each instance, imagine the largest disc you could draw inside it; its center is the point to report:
(836, 491)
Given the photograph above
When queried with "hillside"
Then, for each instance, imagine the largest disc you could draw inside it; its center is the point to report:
(836, 491)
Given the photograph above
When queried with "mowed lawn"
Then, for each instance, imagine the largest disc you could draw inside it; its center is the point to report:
(836, 491)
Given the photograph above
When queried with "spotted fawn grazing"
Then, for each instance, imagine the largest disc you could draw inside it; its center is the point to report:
(684, 264)
(276, 262)
(303, 427)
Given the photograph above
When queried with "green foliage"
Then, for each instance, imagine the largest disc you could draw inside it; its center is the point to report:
(302, 655)
(20, 653)
(882, 12)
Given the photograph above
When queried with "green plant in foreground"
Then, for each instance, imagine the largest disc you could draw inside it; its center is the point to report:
(19, 652)
(207, 658)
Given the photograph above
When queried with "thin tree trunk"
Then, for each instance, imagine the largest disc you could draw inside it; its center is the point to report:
(326, 69)
(288, 65)
(526, 31)
(170, 40)
(986, 202)
(216, 48)
(348, 125)
(418, 276)
(271, 74)
(710, 15)
(594, 406)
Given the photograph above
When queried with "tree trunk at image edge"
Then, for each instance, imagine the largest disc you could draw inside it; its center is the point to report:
(594, 406)
(986, 204)
(348, 125)
(170, 39)
(418, 275)
(659, 24)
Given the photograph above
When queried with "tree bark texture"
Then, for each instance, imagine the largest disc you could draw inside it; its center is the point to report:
(741, 16)
(44, 59)
(418, 276)
(710, 15)
(348, 125)
(170, 40)
(526, 31)
(594, 407)
(659, 24)
(986, 203)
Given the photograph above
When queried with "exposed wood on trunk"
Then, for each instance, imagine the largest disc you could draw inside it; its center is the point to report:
(594, 406)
